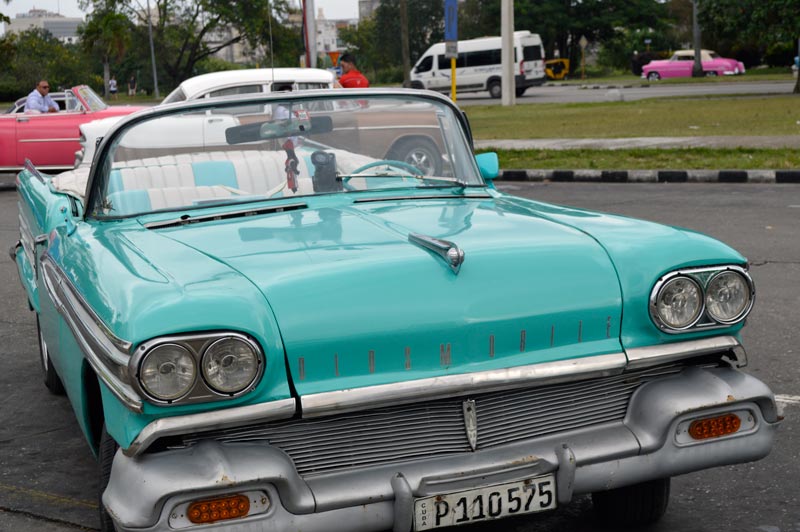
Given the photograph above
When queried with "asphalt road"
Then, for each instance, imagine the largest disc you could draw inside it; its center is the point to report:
(561, 93)
(48, 475)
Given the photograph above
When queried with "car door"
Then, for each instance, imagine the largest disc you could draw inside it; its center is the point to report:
(49, 140)
(425, 72)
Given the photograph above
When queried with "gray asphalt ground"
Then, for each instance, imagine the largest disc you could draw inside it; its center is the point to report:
(48, 475)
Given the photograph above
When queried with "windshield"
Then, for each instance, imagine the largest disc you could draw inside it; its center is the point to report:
(175, 96)
(293, 147)
(93, 101)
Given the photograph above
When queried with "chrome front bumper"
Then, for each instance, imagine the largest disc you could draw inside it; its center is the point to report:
(147, 492)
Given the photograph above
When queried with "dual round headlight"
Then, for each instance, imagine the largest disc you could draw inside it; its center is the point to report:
(227, 366)
(695, 298)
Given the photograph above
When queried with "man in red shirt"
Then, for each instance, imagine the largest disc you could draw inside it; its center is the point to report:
(351, 78)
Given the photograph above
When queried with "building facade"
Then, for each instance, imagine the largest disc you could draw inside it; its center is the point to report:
(65, 29)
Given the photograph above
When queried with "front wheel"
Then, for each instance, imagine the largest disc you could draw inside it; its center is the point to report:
(653, 76)
(51, 379)
(711, 74)
(105, 458)
(633, 506)
(495, 89)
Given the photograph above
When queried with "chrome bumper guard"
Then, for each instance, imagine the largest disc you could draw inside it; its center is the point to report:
(144, 490)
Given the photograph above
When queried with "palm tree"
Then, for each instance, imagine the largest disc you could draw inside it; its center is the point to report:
(108, 34)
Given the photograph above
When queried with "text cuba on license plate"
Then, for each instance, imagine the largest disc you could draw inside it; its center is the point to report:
(480, 504)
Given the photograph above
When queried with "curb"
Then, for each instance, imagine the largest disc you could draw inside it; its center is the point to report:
(654, 176)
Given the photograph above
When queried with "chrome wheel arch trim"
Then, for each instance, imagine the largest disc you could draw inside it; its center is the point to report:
(107, 354)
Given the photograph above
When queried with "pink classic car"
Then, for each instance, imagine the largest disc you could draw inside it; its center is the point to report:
(681, 62)
(50, 140)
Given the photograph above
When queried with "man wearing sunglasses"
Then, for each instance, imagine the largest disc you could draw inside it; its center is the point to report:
(39, 100)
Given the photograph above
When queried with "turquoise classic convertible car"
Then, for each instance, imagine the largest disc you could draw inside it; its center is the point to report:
(281, 324)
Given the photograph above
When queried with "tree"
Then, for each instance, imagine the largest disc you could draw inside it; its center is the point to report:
(425, 25)
(770, 22)
(108, 34)
(186, 32)
(34, 54)
(561, 23)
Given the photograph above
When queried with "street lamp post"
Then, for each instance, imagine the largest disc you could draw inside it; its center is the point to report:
(697, 68)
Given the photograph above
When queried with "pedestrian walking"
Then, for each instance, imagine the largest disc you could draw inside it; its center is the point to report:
(351, 78)
(132, 86)
(112, 87)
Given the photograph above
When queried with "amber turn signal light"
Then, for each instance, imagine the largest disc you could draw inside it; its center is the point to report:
(220, 509)
(714, 427)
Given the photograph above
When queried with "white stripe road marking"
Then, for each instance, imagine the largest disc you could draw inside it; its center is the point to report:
(788, 399)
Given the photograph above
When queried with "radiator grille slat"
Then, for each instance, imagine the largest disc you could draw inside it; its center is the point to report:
(434, 428)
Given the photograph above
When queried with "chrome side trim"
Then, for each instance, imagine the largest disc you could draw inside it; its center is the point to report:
(206, 421)
(51, 140)
(107, 354)
(640, 357)
(452, 255)
(340, 401)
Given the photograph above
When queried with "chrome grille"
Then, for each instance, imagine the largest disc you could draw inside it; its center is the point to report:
(409, 432)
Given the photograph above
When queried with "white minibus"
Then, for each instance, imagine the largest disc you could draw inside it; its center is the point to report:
(478, 67)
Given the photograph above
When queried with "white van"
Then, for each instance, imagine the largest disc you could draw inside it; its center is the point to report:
(478, 67)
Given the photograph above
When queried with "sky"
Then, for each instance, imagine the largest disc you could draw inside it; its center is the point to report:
(333, 9)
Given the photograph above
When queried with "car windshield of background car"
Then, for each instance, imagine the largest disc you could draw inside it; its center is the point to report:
(175, 96)
(93, 101)
(295, 147)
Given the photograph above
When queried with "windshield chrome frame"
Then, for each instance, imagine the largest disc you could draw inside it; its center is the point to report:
(97, 177)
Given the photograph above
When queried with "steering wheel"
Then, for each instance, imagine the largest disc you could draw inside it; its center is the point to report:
(387, 162)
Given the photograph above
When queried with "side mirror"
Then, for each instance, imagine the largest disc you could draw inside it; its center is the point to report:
(488, 164)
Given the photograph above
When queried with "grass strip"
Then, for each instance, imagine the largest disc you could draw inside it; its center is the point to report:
(652, 159)
(681, 117)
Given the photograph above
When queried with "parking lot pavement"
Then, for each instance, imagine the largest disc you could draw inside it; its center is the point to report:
(48, 476)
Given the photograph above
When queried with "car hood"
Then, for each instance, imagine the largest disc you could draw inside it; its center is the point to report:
(358, 304)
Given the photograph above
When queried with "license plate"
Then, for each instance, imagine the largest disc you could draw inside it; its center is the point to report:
(482, 504)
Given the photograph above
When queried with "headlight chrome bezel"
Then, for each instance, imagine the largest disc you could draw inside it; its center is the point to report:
(702, 276)
(196, 344)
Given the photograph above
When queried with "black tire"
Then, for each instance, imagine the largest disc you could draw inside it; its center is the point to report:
(633, 506)
(653, 76)
(495, 89)
(420, 153)
(49, 376)
(711, 73)
(105, 457)
(417, 85)
(520, 91)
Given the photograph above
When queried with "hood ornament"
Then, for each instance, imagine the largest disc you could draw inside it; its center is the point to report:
(449, 251)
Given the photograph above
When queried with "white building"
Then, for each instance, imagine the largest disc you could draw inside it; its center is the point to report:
(328, 39)
(65, 29)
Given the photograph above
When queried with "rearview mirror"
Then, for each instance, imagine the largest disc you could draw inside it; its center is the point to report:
(298, 125)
